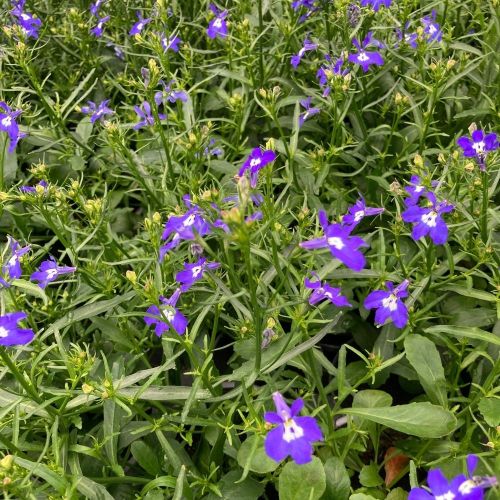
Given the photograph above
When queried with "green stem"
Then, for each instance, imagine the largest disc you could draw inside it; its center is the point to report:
(2, 159)
(261, 57)
(484, 208)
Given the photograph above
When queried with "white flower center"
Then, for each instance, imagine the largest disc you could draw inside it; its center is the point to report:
(140, 26)
(419, 188)
(479, 147)
(196, 271)
(359, 215)
(51, 273)
(255, 162)
(466, 487)
(169, 313)
(390, 302)
(336, 242)
(432, 30)
(3, 332)
(292, 431)
(13, 260)
(362, 57)
(429, 219)
(25, 17)
(449, 495)
(189, 221)
(218, 22)
(7, 121)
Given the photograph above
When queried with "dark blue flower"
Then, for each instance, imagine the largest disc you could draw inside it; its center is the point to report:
(358, 212)
(479, 146)
(366, 58)
(389, 304)
(167, 315)
(170, 43)
(328, 70)
(146, 119)
(12, 268)
(194, 272)
(97, 112)
(293, 435)
(416, 190)
(257, 160)
(324, 291)
(309, 110)
(98, 29)
(306, 46)
(342, 245)
(168, 94)
(29, 24)
(10, 333)
(50, 271)
(217, 27)
(428, 219)
(9, 125)
(376, 4)
(139, 25)
(94, 7)
(432, 28)
(41, 187)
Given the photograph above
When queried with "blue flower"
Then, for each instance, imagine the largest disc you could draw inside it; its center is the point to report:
(342, 245)
(27, 22)
(94, 7)
(50, 271)
(42, 185)
(194, 272)
(428, 220)
(139, 25)
(416, 190)
(432, 28)
(170, 43)
(257, 160)
(12, 268)
(358, 212)
(309, 110)
(389, 304)
(10, 333)
(146, 119)
(324, 291)
(98, 29)
(306, 46)
(328, 70)
(97, 112)
(479, 146)
(217, 27)
(166, 316)
(376, 4)
(9, 125)
(293, 435)
(168, 94)
(366, 58)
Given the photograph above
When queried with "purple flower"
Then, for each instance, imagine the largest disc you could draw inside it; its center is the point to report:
(376, 4)
(329, 69)
(389, 304)
(97, 112)
(325, 291)
(293, 435)
(479, 146)
(94, 7)
(8, 124)
(10, 333)
(432, 28)
(33, 189)
(428, 220)
(139, 25)
(308, 4)
(167, 315)
(408, 38)
(183, 227)
(307, 46)
(459, 488)
(416, 190)
(50, 271)
(170, 95)
(257, 160)
(364, 57)
(357, 212)
(117, 50)
(217, 26)
(146, 119)
(353, 14)
(309, 111)
(210, 151)
(98, 29)
(342, 245)
(12, 268)
(172, 43)
(194, 272)
(27, 22)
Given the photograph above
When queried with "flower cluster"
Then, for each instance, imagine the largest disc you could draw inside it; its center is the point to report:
(27, 22)
(478, 146)
(9, 125)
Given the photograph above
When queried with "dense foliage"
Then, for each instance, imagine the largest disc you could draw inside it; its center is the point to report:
(250, 249)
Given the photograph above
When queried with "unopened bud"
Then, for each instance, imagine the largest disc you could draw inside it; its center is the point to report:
(6, 462)
(418, 161)
(87, 389)
(131, 276)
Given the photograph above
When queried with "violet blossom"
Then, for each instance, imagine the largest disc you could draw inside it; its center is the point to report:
(97, 112)
(169, 94)
(41, 187)
(306, 47)
(428, 219)
(366, 58)
(166, 315)
(49, 271)
(12, 268)
(376, 4)
(9, 125)
(94, 7)
(170, 43)
(478, 146)
(432, 28)
(308, 110)
(357, 212)
(194, 272)
(342, 245)
(389, 304)
(408, 38)
(255, 162)
(416, 190)
(146, 119)
(293, 435)
(217, 27)
(330, 68)
(324, 291)
(139, 25)
(98, 29)
(11, 333)
(29, 24)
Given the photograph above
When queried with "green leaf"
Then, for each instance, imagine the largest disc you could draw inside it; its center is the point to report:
(31, 289)
(464, 332)
(111, 430)
(92, 490)
(416, 419)
(37, 469)
(302, 482)
(369, 476)
(249, 489)
(490, 410)
(146, 457)
(469, 292)
(84, 129)
(252, 456)
(361, 496)
(424, 357)
(9, 162)
(397, 494)
(338, 483)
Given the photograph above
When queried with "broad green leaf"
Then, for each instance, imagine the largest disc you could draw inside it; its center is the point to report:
(302, 482)
(369, 476)
(252, 456)
(338, 483)
(55, 479)
(424, 357)
(92, 490)
(111, 430)
(416, 419)
(397, 494)
(231, 489)
(464, 332)
(146, 457)
(9, 167)
(490, 410)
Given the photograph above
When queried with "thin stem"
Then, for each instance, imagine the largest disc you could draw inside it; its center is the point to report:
(261, 56)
